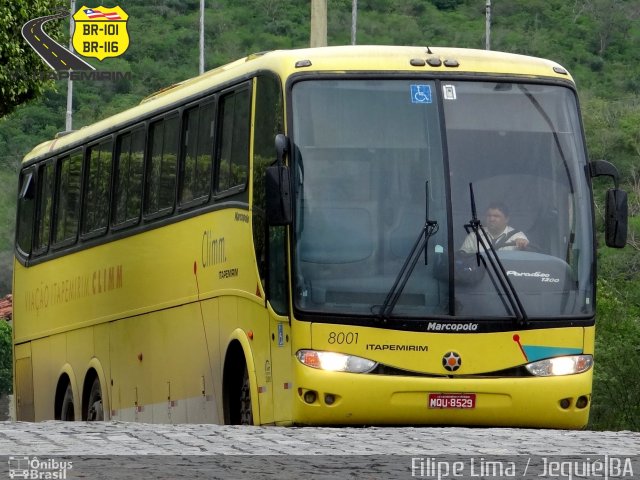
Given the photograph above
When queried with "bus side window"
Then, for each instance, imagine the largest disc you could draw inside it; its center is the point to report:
(44, 207)
(95, 212)
(128, 178)
(161, 166)
(68, 198)
(233, 141)
(197, 143)
(26, 209)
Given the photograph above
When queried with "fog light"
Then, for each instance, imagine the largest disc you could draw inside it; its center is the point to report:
(329, 399)
(582, 401)
(565, 403)
(310, 396)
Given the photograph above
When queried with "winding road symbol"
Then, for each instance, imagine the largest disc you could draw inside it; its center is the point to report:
(53, 54)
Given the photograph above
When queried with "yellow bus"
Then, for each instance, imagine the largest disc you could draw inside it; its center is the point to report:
(278, 241)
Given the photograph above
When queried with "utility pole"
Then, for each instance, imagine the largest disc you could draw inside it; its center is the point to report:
(69, 120)
(201, 69)
(318, 23)
(354, 21)
(487, 40)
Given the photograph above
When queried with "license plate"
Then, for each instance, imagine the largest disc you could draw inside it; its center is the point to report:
(452, 400)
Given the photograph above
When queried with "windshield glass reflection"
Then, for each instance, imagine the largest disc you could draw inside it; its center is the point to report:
(368, 152)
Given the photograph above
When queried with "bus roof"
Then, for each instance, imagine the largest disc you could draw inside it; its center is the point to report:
(325, 59)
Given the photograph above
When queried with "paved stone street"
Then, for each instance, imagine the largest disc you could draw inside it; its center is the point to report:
(120, 438)
(140, 451)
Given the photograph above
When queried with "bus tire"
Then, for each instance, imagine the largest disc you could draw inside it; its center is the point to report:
(95, 407)
(246, 412)
(67, 411)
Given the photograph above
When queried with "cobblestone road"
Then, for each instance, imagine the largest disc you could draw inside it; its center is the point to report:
(140, 451)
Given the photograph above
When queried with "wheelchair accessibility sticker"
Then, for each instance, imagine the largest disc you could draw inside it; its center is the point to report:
(420, 93)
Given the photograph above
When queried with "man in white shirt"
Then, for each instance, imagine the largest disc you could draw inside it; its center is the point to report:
(502, 236)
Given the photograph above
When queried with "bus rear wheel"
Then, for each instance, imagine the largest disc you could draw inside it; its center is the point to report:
(95, 410)
(67, 411)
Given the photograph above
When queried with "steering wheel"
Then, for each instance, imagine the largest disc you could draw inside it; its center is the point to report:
(531, 247)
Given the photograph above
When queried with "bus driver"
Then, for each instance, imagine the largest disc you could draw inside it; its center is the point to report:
(502, 236)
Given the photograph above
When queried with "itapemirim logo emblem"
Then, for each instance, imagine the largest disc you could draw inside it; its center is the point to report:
(99, 32)
(451, 361)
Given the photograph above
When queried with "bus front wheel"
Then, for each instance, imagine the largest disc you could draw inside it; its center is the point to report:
(246, 413)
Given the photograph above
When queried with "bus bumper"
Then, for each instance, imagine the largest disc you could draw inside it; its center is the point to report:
(337, 398)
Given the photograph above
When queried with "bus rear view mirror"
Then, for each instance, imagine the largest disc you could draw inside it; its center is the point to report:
(278, 186)
(616, 210)
(616, 218)
(278, 192)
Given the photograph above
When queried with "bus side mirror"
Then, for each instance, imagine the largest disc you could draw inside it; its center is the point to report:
(616, 212)
(278, 187)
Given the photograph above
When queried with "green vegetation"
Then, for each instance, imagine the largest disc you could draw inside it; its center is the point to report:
(8, 193)
(597, 40)
(6, 370)
(616, 390)
(20, 66)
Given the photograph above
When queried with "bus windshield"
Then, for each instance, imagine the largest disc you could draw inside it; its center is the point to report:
(374, 159)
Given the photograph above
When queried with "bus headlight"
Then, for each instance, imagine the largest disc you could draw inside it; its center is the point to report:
(569, 365)
(335, 362)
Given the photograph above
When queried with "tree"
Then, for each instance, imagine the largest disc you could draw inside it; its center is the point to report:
(612, 20)
(20, 66)
(446, 4)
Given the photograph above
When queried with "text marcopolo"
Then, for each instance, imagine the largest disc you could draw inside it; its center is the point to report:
(452, 327)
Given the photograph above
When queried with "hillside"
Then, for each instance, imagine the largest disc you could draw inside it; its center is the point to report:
(597, 40)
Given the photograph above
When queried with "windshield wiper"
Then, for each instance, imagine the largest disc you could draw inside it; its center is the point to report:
(497, 266)
(420, 245)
